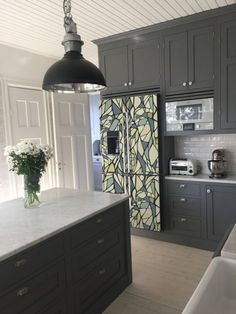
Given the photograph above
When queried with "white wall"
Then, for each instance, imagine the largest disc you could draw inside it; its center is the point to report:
(25, 68)
(20, 64)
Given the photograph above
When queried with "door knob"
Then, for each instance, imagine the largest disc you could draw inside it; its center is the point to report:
(130, 83)
(190, 83)
(125, 84)
(60, 165)
(208, 191)
(184, 83)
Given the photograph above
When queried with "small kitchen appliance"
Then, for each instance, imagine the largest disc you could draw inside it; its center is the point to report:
(217, 165)
(183, 166)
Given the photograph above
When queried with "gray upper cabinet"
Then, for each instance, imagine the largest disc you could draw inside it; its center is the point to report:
(114, 65)
(228, 75)
(135, 66)
(144, 65)
(189, 60)
(176, 62)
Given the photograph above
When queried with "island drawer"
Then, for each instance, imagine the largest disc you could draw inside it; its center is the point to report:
(24, 264)
(41, 288)
(186, 226)
(97, 281)
(112, 239)
(184, 205)
(97, 224)
(183, 188)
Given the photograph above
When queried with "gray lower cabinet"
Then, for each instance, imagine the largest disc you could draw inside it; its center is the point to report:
(221, 209)
(184, 208)
(228, 75)
(200, 210)
(81, 270)
(133, 66)
(189, 60)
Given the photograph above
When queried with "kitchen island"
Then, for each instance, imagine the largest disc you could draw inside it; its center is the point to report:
(71, 255)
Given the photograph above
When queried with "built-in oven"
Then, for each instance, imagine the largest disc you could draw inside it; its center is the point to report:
(190, 115)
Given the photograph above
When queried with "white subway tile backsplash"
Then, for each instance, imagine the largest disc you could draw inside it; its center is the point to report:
(201, 147)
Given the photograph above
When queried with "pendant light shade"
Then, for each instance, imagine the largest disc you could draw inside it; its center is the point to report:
(73, 73)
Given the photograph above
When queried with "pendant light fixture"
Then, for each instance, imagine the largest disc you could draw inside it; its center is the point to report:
(73, 73)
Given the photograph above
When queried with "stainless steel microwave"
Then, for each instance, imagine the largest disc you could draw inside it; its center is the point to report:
(190, 115)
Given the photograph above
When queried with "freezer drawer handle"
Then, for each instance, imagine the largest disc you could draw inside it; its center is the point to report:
(100, 241)
(99, 220)
(23, 291)
(102, 271)
(20, 263)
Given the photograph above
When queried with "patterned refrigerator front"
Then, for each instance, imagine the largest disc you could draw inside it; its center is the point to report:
(129, 138)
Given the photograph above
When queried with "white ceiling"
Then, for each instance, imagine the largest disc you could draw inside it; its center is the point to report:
(37, 25)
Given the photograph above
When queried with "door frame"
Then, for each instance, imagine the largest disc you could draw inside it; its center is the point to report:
(6, 83)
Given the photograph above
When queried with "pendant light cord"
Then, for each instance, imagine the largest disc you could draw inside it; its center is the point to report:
(69, 24)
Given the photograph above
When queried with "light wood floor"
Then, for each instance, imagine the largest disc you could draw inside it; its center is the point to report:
(164, 277)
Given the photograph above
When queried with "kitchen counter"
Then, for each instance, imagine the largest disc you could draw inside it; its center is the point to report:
(229, 248)
(202, 178)
(21, 228)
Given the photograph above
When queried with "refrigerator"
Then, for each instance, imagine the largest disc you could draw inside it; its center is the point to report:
(130, 161)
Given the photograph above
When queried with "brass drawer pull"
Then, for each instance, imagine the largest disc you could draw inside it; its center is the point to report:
(183, 219)
(182, 186)
(20, 263)
(102, 271)
(23, 291)
(182, 200)
(100, 241)
(99, 220)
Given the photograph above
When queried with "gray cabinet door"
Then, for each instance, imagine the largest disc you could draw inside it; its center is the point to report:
(114, 65)
(144, 65)
(176, 62)
(228, 75)
(201, 58)
(221, 210)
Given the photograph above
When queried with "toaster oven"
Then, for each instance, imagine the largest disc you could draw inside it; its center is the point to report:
(183, 166)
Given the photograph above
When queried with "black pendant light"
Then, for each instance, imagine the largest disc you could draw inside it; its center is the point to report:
(73, 73)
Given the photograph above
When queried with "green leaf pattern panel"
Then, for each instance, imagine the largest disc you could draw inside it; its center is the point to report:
(142, 164)
(112, 119)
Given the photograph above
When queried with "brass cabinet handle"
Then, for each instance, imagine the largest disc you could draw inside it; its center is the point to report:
(20, 263)
(22, 291)
(183, 219)
(99, 220)
(102, 271)
(100, 241)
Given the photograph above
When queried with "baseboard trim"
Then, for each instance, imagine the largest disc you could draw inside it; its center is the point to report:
(166, 236)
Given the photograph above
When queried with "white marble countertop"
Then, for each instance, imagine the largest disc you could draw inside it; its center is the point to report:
(21, 228)
(203, 178)
(229, 248)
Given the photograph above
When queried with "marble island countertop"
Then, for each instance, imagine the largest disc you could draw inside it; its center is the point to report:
(231, 179)
(21, 228)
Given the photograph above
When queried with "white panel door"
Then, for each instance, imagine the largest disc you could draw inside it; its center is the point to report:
(73, 141)
(28, 120)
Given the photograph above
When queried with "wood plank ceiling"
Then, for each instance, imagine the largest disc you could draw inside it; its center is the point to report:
(37, 25)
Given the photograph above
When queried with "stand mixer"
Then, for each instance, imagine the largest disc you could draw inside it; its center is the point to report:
(217, 165)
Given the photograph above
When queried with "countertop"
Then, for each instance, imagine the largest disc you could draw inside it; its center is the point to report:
(229, 248)
(22, 228)
(203, 178)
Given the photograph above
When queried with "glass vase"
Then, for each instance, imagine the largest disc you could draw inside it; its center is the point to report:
(31, 189)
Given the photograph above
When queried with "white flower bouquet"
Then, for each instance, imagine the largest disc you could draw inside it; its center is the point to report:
(29, 159)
